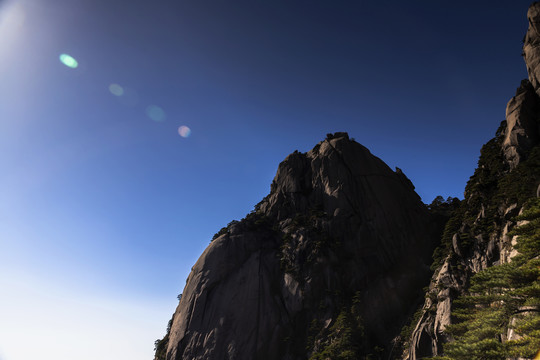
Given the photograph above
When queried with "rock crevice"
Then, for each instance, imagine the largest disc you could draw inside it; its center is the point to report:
(326, 237)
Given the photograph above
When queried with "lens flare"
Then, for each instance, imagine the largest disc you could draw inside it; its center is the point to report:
(116, 89)
(69, 61)
(155, 113)
(184, 131)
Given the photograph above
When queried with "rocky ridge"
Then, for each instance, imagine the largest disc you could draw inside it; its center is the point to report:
(341, 245)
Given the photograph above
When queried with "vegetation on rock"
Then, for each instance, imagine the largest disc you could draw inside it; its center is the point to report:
(499, 317)
(160, 345)
(346, 338)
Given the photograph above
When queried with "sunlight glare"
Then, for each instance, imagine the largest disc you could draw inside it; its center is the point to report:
(12, 25)
(11, 18)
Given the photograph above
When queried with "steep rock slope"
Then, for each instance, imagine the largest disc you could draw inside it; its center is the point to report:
(476, 237)
(331, 261)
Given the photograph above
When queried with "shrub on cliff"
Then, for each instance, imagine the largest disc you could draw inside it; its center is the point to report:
(500, 316)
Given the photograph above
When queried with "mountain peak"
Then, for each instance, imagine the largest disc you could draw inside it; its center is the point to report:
(338, 229)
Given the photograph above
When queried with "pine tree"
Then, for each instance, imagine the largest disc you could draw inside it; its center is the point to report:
(502, 298)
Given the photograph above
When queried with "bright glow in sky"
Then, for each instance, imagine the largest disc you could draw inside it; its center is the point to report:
(105, 207)
(12, 19)
(43, 322)
(69, 61)
(184, 131)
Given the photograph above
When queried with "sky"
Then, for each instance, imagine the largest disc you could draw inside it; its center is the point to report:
(116, 172)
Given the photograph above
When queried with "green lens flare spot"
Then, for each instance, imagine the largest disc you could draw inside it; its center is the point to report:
(116, 89)
(155, 113)
(69, 61)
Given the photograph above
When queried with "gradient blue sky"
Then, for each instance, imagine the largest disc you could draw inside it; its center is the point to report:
(104, 210)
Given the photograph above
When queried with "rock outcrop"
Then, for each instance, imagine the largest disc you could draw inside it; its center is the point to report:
(522, 131)
(508, 174)
(341, 244)
(531, 46)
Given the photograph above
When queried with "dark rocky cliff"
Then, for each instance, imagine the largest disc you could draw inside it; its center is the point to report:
(330, 262)
(508, 174)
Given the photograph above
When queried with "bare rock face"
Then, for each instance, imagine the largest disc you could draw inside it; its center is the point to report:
(522, 112)
(340, 233)
(531, 46)
(522, 124)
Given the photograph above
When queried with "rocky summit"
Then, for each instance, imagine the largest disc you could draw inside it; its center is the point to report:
(343, 261)
(340, 238)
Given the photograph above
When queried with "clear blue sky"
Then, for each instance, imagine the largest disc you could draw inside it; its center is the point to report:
(105, 207)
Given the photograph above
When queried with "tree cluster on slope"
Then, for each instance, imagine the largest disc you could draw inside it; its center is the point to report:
(499, 318)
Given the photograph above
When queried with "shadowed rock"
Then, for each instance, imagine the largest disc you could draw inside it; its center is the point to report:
(338, 227)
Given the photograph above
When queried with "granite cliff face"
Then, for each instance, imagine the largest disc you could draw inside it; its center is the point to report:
(476, 237)
(331, 260)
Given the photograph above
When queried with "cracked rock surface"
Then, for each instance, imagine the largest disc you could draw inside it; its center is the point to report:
(337, 224)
